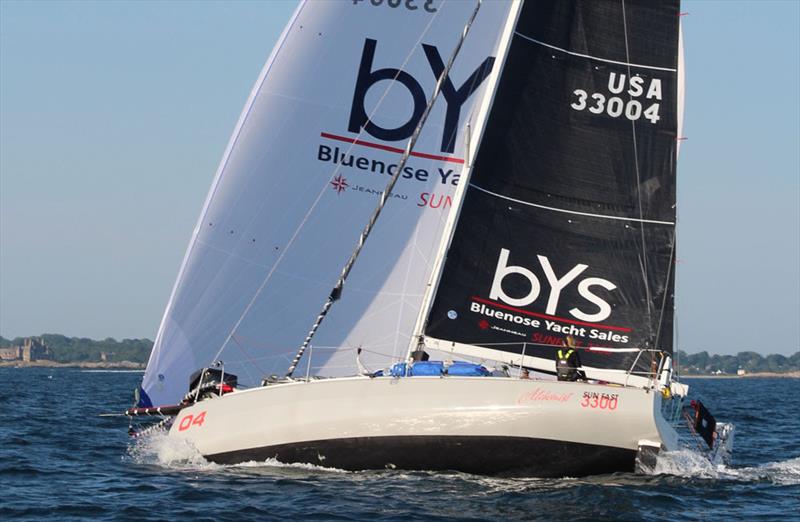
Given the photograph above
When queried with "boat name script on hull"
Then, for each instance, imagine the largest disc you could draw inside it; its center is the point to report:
(543, 395)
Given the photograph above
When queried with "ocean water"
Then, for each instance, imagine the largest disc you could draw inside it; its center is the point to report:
(60, 461)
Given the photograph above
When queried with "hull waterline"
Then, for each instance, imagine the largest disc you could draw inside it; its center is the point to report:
(481, 455)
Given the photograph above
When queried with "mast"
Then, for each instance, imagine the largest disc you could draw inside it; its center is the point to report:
(336, 292)
(418, 339)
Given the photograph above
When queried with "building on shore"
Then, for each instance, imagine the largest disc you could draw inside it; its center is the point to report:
(32, 349)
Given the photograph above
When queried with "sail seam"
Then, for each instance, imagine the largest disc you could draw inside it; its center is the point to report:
(589, 56)
(576, 212)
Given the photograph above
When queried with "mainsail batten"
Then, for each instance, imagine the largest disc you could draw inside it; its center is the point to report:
(574, 212)
(567, 227)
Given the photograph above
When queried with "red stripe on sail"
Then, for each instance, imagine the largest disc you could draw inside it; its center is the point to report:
(390, 149)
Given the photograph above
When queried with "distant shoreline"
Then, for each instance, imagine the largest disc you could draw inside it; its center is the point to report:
(787, 375)
(121, 365)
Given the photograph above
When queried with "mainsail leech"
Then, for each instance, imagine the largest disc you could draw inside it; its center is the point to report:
(584, 124)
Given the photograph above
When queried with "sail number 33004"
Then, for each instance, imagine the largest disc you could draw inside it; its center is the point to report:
(643, 98)
(614, 106)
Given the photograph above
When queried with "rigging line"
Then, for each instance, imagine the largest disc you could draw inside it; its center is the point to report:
(246, 354)
(581, 55)
(556, 209)
(415, 251)
(440, 224)
(675, 305)
(337, 289)
(648, 295)
(313, 205)
(401, 301)
(666, 290)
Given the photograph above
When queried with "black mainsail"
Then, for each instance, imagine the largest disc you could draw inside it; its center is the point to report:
(567, 226)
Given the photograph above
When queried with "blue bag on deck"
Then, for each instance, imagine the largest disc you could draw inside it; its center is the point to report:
(465, 369)
(427, 368)
(421, 368)
(436, 368)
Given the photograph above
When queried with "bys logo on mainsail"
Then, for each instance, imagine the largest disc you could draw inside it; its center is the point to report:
(454, 97)
(556, 283)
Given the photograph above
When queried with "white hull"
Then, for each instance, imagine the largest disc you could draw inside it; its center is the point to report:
(474, 424)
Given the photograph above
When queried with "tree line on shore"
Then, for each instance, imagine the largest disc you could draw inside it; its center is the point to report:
(80, 349)
(751, 362)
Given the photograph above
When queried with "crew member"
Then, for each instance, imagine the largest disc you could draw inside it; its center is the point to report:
(568, 362)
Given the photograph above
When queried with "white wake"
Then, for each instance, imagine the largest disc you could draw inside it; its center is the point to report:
(158, 449)
(690, 464)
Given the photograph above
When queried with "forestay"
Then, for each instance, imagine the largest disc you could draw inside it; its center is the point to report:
(568, 223)
(316, 143)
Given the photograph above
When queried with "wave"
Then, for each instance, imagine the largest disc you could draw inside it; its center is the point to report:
(158, 449)
(691, 464)
(273, 463)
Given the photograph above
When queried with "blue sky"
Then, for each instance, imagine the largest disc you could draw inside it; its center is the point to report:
(114, 115)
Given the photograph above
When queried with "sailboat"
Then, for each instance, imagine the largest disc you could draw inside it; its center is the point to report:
(495, 182)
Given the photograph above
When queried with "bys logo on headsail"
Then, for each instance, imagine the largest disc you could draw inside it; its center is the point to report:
(556, 283)
(454, 97)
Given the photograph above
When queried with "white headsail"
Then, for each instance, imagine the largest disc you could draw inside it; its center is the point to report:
(316, 143)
